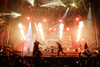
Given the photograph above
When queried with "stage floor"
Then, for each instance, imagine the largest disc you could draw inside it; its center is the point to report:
(49, 54)
(68, 54)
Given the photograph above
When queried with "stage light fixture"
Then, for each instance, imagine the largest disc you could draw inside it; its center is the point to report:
(67, 29)
(78, 48)
(25, 47)
(28, 18)
(60, 20)
(54, 28)
(44, 20)
(50, 28)
(77, 19)
(73, 4)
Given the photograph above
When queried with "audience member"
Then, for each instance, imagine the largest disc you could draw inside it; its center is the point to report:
(54, 65)
(39, 61)
(48, 64)
(60, 64)
(65, 65)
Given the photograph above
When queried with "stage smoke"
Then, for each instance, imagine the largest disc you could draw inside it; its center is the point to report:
(90, 33)
(28, 42)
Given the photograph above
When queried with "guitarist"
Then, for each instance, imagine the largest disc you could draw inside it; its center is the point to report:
(60, 49)
(86, 46)
(86, 52)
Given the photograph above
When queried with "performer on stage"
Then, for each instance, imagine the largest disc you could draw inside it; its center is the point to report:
(60, 49)
(36, 47)
(86, 52)
(85, 46)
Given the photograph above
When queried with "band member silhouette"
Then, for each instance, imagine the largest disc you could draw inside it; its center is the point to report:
(86, 52)
(36, 47)
(85, 46)
(60, 49)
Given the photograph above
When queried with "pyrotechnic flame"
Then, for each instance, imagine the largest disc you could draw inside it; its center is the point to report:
(79, 30)
(21, 30)
(41, 31)
(61, 30)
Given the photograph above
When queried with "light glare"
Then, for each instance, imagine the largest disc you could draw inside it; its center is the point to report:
(50, 28)
(44, 20)
(67, 29)
(73, 4)
(60, 20)
(15, 15)
(54, 28)
(31, 2)
(28, 18)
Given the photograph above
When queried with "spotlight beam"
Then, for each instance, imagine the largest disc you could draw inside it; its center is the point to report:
(31, 2)
(53, 4)
(65, 14)
(13, 14)
(5, 13)
(36, 26)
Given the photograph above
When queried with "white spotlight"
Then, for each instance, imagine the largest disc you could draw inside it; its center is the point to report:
(15, 15)
(31, 2)
(73, 4)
